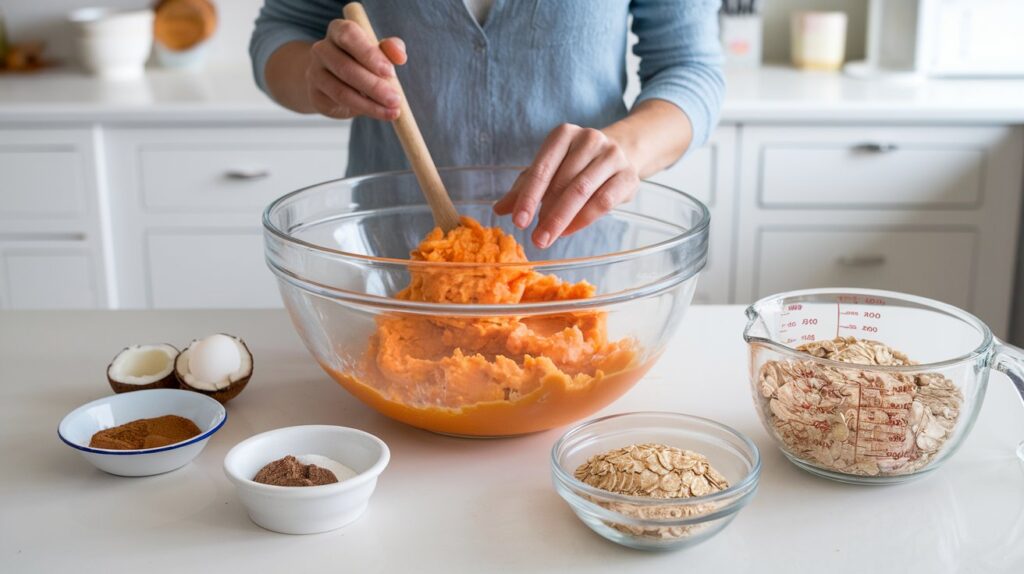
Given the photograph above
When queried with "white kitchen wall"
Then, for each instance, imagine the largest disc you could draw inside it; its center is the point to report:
(44, 19)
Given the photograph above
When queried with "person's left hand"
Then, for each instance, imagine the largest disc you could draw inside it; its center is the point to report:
(579, 175)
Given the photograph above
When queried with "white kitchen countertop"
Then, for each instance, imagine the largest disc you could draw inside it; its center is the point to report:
(770, 94)
(456, 505)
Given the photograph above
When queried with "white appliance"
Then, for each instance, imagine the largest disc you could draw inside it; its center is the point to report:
(911, 39)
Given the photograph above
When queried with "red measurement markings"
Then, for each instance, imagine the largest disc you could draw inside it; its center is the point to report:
(874, 301)
(856, 431)
(851, 313)
(886, 424)
(869, 328)
(794, 307)
(872, 315)
(838, 315)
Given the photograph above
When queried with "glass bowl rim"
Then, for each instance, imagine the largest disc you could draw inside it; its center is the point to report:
(740, 490)
(700, 227)
(987, 338)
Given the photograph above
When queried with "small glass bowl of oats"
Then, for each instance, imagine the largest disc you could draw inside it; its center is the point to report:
(655, 480)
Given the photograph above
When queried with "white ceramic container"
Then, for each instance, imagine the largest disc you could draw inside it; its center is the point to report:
(113, 44)
(80, 424)
(307, 509)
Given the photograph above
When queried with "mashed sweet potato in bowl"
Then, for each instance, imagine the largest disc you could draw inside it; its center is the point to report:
(475, 332)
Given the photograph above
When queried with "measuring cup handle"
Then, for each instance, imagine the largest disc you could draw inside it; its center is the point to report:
(1009, 360)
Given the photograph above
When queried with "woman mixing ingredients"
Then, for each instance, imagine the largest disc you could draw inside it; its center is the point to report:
(512, 82)
(523, 82)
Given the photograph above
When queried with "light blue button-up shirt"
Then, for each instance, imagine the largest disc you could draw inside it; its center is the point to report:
(489, 95)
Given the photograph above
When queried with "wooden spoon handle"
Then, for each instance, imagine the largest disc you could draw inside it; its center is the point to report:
(445, 215)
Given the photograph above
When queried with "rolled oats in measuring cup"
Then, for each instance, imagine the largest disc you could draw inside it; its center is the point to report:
(870, 386)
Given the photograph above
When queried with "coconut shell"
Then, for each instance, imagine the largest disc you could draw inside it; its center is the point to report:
(168, 382)
(224, 395)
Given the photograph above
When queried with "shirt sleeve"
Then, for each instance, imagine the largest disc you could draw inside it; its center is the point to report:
(283, 21)
(680, 58)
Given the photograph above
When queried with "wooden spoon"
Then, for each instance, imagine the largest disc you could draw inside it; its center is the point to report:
(445, 215)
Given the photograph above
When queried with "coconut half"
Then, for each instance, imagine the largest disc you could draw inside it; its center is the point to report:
(218, 366)
(141, 367)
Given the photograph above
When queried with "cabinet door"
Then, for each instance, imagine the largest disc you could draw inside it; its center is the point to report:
(210, 268)
(186, 206)
(931, 263)
(48, 276)
(231, 176)
(48, 182)
(707, 174)
(929, 210)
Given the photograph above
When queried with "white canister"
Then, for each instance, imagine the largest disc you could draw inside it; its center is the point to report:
(818, 40)
(113, 44)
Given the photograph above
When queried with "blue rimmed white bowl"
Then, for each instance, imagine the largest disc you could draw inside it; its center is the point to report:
(80, 424)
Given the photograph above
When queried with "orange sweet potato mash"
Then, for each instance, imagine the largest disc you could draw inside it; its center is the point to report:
(490, 376)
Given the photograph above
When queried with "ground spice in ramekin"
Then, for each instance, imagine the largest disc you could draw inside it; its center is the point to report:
(288, 471)
(146, 433)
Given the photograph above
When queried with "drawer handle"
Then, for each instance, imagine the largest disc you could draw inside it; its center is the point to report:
(247, 174)
(874, 147)
(874, 260)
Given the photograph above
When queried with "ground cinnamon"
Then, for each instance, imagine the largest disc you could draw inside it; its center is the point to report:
(146, 433)
(288, 471)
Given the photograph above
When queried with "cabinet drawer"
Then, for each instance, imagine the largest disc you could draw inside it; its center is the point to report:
(873, 168)
(48, 277)
(228, 170)
(41, 181)
(931, 263)
(212, 268)
(234, 177)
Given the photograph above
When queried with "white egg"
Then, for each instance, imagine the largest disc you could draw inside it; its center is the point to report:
(214, 358)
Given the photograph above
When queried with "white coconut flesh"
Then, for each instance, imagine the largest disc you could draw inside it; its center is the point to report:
(143, 364)
(214, 362)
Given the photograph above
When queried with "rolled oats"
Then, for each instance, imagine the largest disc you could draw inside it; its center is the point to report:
(653, 471)
(858, 421)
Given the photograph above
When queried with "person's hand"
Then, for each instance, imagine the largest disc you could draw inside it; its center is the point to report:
(579, 175)
(350, 76)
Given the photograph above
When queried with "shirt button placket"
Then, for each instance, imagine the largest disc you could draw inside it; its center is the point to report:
(487, 123)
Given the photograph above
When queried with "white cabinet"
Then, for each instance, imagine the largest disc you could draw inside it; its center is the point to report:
(707, 173)
(48, 275)
(936, 264)
(843, 167)
(932, 211)
(187, 206)
(52, 234)
(215, 267)
(167, 215)
(184, 172)
(42, 181)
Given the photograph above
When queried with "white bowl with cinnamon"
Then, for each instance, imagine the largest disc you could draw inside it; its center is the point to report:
(143, 433)
(306, 479)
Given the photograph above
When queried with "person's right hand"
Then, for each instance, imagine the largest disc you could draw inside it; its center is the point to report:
(350, 76)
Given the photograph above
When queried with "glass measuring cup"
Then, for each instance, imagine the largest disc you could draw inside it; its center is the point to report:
(871, 423)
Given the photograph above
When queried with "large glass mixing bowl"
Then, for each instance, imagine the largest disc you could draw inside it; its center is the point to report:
(866, 418)
(340, 251)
